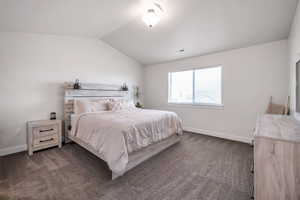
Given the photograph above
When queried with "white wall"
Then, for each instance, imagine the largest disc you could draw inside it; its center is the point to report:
(250, 76)
(294, 55)
(33, 69)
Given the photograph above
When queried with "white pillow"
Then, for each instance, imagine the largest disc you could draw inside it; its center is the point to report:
(85, 106)
(120, 105)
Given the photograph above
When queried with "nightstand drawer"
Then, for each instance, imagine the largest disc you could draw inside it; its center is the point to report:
(46, 140)
(44, 131)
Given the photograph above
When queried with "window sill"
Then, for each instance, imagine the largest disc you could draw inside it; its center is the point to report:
(200, 106)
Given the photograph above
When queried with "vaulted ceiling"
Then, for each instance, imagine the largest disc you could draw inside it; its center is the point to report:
(197, 26)
(93, 18)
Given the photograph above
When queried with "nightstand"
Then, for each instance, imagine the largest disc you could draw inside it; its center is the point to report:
(43, 134)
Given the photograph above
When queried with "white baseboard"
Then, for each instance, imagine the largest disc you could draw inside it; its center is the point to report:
(11, 150)
(227, 136)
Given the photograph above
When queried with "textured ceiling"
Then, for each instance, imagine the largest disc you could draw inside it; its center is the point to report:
(198, 26)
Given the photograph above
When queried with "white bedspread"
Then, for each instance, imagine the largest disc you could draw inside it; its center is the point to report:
(115, 134)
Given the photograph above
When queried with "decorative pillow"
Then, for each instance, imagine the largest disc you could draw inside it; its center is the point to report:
(120, 105)
(84, 106)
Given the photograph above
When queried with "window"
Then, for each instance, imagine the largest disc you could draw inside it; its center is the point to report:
(197, 86)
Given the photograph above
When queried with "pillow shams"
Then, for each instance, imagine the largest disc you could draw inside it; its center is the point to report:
(120, 105)
(85, 106)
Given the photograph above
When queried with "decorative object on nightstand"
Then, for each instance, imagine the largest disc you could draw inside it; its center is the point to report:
(43, 134)
(53, 116)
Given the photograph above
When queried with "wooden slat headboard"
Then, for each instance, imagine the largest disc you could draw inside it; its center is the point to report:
(88, 91)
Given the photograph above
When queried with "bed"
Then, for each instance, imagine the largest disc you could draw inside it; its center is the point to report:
(122, 135)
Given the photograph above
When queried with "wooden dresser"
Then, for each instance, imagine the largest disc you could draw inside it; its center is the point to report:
(277, 158)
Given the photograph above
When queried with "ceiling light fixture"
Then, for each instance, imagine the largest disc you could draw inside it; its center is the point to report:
(153, 14)
(151, 18)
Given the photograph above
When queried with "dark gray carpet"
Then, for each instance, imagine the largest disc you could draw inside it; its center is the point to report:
(200, 167)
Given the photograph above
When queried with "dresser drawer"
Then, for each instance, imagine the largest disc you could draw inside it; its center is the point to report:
(46, 140)
(44, 131)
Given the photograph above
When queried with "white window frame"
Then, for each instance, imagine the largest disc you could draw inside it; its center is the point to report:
(221, 105)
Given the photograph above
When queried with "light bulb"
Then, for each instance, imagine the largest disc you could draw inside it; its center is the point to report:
(151, 18)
